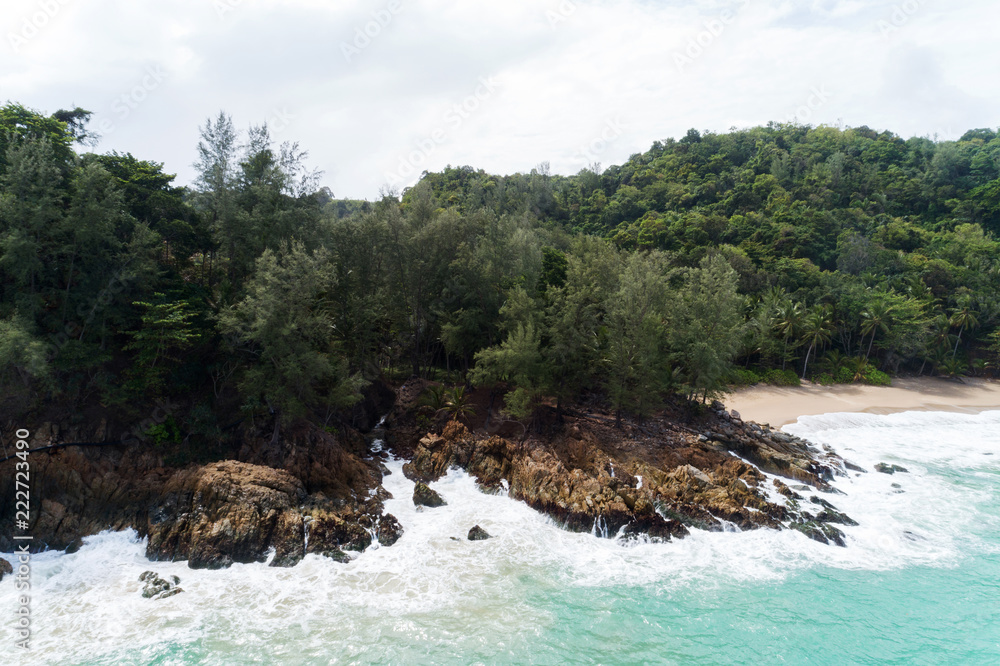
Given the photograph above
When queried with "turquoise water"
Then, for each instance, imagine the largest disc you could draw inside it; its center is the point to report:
(919, 582)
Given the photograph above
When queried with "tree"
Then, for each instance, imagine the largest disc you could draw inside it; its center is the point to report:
(817, 331)
(282, 327)
(166, 332)
(876, 317)
(30, 213)
(964, 317)
(635, 318)
(706, 326)
(21, 351)
(788, 319)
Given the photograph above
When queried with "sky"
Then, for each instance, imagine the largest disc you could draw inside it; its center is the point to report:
(379, 91)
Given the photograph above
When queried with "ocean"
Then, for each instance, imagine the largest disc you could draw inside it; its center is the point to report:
(918, 583)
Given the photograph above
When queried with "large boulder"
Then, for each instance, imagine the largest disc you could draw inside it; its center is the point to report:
(425, 496)
(477, 533)
(228, 512)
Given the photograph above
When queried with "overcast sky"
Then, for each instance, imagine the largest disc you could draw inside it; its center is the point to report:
(378, 91)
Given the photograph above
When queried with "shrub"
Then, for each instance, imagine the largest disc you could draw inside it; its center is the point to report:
(744, 377)
(825, 378)
(844, 376)
(164, 432)
(876, 377)
(777, 377)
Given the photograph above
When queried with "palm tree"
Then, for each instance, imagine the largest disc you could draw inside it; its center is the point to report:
(458, 404)
(789, 318)
(833, 361)
(434, 397)
(965, 318)
(940, 338)
(858, 367)
(953, 367)
(875, 318)
(817, 330)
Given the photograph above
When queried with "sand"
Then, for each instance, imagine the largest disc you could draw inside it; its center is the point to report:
(780, 406)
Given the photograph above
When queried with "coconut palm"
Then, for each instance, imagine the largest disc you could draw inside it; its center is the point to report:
(787, 323)
(833, 361)
(817, 330)
(875, 318)
(858, 366)
(953, 367)
(964, 317)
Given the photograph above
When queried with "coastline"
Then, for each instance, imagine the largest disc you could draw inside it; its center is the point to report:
(780, 406)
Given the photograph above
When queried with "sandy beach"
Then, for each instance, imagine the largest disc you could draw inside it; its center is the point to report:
(780, 406)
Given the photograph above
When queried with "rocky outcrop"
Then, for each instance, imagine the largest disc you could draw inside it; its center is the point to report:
(309, 491)
(5, 568)
(655, 481)
(228, 512)
(424, 496)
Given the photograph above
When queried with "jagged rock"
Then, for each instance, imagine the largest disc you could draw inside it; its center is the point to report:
(785, 490)
(477, 533)
(686, 482)
(424, 496)
(158, 588)
(228, 512)
(831, 514)
(890, 469)
(89, 490)
(854, 468)
(75, 546)
(822, 533)
(6, 568)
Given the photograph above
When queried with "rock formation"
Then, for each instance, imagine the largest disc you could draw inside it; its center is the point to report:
(158, 588)
(658, 480)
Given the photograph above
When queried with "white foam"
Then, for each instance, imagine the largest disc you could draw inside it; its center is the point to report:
(88, 605)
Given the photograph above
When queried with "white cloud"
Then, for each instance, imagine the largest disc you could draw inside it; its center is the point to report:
(567, 69)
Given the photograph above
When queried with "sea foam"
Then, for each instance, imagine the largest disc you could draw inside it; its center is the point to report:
(435, 586)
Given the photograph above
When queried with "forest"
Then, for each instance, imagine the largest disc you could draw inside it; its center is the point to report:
(770, 254)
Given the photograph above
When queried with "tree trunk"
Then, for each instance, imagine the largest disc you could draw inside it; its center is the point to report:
(805, 367)
(959, 341)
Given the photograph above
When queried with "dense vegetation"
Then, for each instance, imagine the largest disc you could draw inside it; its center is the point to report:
(768, 253)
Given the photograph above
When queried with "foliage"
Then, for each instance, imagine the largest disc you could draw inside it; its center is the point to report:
(764, 254)
(776, 377)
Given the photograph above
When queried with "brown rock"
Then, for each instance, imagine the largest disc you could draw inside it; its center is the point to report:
(227, 512)
(424, 496)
